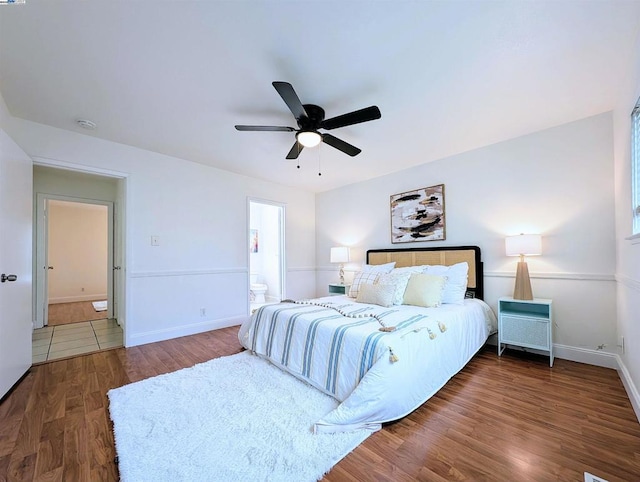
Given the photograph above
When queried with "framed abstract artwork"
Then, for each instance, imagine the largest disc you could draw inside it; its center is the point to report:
(418, 215)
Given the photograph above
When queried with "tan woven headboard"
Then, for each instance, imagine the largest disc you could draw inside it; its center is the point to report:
(443, 255)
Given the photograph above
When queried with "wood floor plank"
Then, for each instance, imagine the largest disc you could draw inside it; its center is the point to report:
(500, 419)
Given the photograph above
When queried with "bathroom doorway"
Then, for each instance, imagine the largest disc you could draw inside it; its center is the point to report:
(266, 253)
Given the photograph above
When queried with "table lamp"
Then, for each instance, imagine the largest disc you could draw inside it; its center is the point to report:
(340, 254)
(523, 245)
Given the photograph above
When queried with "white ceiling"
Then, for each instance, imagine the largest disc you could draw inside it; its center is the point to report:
(449, 76)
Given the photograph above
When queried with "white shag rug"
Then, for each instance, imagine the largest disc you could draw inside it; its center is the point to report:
(99, 305)
(236, 418)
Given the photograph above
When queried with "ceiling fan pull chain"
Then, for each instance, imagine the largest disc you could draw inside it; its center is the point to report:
(319, 169)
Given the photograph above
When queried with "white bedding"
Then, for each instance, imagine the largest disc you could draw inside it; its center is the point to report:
(378, 376)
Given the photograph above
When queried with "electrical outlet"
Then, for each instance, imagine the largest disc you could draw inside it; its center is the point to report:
(203, 312)
(155, 240)
(81, 289)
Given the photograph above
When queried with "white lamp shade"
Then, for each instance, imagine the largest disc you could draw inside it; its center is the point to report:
(308, 138)
(340, 254)
(524, 244)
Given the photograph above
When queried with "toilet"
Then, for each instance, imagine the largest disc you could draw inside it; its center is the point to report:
(257, 289)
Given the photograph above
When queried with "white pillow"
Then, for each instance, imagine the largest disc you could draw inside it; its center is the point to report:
(410, 269)
(398, 281)
(378, 268)
(424, 290)
(361, 278)
(376, 294)
(456, 285)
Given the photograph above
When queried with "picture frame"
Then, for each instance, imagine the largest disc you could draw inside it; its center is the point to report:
(253, 241)
(418, 215)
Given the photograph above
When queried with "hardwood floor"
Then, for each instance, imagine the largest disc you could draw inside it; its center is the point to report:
(74, 312)
(500, 419)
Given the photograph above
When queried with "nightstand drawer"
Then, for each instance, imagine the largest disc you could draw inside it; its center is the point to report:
(524, 331)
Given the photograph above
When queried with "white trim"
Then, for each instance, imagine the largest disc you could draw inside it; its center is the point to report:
(72, 299)
(629, 386)
(153, 336)
(70, 166)
(564, 276)
(589, 356)
(628, 282)
(194, 272)
(586, 355)
(634, 238)
(199, 272)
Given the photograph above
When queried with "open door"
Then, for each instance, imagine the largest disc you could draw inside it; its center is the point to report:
(16, 187)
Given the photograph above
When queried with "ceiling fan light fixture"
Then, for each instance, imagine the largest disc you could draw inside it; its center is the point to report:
(308, 138)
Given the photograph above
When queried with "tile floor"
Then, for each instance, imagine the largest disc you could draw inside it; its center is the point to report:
(53, 342)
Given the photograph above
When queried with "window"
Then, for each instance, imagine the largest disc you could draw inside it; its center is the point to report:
(635, 167)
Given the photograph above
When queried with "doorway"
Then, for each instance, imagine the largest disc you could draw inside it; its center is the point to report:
(266, 253)
(79, 234)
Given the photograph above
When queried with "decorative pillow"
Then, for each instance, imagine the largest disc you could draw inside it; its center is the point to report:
(378, 268)
(424, 290)
(456, 285)
(361, 278)
(398, 281)
(376, 294)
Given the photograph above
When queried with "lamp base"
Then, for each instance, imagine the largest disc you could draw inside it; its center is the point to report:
(522, 290)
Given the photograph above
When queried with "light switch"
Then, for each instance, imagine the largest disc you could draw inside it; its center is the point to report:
(155, 240)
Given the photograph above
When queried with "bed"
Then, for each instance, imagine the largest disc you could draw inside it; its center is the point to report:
(381, 360)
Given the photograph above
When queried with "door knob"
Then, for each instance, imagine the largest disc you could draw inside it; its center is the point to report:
(117, 267)
(49, 267)
(8, 277)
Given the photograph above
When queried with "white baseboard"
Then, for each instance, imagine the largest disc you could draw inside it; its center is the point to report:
(585, 355)
(73, 299)
(178, 331)
(571, 353)
(629, 386)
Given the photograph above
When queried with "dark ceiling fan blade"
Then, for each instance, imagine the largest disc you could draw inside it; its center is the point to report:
(285, 89)
(265, 128)
(295, 151)
(355, 117)
(340, 145)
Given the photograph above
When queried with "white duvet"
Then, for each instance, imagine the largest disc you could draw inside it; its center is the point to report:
(337, 346)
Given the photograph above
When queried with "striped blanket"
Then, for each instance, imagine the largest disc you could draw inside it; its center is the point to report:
(332, 345)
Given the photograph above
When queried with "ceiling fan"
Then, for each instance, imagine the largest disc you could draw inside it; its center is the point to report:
(310, 118)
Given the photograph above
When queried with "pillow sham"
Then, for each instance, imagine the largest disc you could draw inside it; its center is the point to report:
(361, 278)
(378, 268)
(456, 285)
(398, 281)
(376, 294)
(424, 290)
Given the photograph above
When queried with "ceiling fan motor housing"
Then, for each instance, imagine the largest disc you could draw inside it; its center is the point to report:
(315, 115)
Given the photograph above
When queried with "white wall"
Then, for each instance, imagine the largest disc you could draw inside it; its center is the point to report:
(78, 251)
(557, 182)
(628, 251)
(199, 214)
